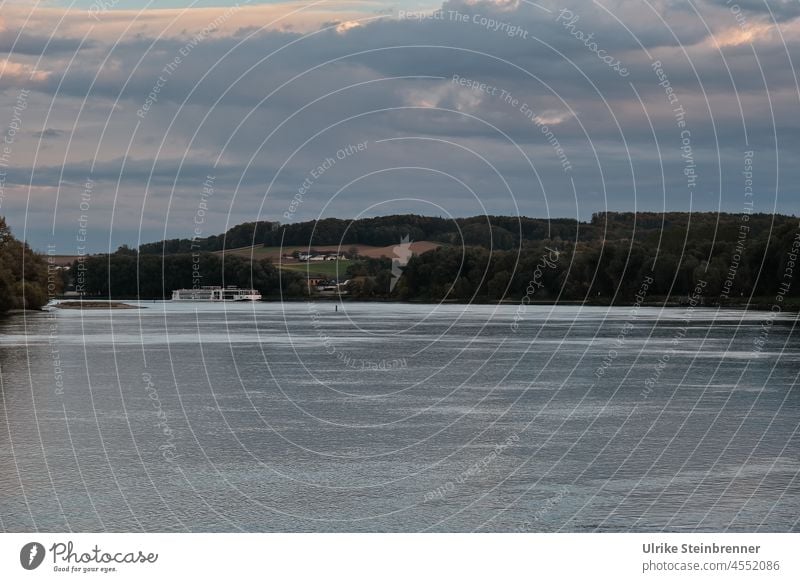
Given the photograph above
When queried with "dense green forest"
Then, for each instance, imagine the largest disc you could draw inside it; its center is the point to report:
(23, 274)
(502, 231)
(493, 258)
(497, 232)
(125, 274)
(242, 235)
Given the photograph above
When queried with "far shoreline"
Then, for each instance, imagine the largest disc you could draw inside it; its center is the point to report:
(758, 304)
(94, 304)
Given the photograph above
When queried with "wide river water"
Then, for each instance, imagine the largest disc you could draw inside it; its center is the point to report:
(396, 417)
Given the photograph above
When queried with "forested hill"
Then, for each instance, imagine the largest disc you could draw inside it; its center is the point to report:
(23, 274)
(733, 257)
(497, 232)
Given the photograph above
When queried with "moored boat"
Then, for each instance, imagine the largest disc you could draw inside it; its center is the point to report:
(216, 294)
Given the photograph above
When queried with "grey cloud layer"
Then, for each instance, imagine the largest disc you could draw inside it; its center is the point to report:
(276, 99)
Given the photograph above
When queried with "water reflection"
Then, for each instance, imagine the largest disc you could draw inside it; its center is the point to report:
(281, 418)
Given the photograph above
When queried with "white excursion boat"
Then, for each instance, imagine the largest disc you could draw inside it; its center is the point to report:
(216, 294)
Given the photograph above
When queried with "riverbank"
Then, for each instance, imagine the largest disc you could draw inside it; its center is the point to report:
(94, 305)
(790, 304)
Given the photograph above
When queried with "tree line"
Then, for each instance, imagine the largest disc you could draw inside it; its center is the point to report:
(23, 274)
(242, 235)
(495, 232)
(481, 259)
(735, 256)
(128, 275)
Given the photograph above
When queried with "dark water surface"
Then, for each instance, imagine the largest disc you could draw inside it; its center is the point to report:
(388, 417)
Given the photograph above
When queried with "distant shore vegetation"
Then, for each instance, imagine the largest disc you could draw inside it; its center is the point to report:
(614, 258)
(23, 274)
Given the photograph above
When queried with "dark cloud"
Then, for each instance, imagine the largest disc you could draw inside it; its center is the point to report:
(22, 43)
(49, 133)
(262, 109)
(780, 10)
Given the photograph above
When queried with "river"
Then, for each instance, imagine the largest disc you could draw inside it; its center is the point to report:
(397, 417)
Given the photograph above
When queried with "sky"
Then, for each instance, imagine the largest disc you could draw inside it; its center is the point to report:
(121, 123)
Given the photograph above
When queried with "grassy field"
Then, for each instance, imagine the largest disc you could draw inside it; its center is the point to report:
(319, 269)
(274, 253)
(322, 268)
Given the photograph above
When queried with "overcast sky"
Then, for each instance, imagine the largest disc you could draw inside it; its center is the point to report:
(141, 123)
